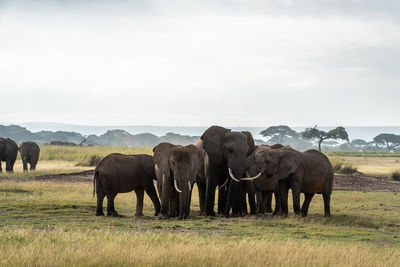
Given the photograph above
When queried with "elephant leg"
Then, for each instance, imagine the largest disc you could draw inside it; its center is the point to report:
(211, 185)
(33, 165)
(25, 165)
(1, 170)
(9, 166)
(166, 194)
(110, 205)
(327, 204)
(233, 200)
(296, 199)
(202, 195)
(262, 205)
(252, 200)
(283, 196)
(100, 197)
(277, 202)
(243, 203)
(268, 203)
(258, 199)
(222, 198)
(139, 202)
(306, 203)
(151, 192)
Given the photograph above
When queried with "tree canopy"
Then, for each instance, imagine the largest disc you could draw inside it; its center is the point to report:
(277, 134)
(391, 141)
(320, 136)
(359, 142)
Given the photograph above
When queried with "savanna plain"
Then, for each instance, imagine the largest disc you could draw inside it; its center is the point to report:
(52, 222)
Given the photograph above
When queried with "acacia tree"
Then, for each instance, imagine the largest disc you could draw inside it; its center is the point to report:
(391, 141)
(359, 142)
(277, 134)
(320, 136)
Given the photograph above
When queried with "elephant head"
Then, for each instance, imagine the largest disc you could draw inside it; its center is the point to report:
(274, 164)
(229, 147)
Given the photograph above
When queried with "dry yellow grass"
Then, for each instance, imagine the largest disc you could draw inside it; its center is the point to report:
(107, 248)
(372, 165)
(53, 224)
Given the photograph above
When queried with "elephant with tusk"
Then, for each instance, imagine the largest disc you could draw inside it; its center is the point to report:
(176, 170)
(308, 172)
(228, 152)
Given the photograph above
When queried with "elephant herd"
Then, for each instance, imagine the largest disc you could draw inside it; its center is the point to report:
(8, 153)
(223, 160)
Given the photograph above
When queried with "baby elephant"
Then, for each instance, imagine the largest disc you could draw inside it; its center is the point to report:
(118, 173)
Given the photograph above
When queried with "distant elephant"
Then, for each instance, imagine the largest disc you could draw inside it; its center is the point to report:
(8, 153)
(228, 153)
(176, 170)
(29, 154)
(118, 173)
(306, 172)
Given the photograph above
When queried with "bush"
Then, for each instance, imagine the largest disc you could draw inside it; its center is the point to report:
(337, 164)
(395, 176)
(93, 160)
(348, 169)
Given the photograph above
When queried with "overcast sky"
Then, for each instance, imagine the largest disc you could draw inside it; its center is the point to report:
(196, 63)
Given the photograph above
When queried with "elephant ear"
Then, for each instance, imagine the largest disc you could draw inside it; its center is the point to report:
(250, 143)
(213, 139)
(289, 161)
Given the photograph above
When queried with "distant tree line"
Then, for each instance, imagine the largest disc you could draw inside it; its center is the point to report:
(313, 137)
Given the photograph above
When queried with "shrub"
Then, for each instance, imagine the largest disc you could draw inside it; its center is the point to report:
(337, 164)
(395, 176)
(93, 160)
(348, 169)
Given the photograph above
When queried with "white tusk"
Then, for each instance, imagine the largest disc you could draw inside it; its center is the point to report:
(221, 186)
(233, 177)
(190, 187)
(251, 178)
(156, 168)
(176, 187)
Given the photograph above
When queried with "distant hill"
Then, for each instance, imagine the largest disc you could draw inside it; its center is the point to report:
(110, 138)
(355, 132)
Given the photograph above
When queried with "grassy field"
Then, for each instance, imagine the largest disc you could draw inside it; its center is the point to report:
(48, 223)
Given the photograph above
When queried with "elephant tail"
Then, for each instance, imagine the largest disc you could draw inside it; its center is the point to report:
(96, 175)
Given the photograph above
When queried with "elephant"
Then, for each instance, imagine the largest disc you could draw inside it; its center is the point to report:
(30, 154)
(308, 172)
(176, 170)
(228, 152)
(8, 153)
(119, 173)
(264, 199)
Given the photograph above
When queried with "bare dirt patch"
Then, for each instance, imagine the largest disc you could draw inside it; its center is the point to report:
(367, 183)
(355, 182)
